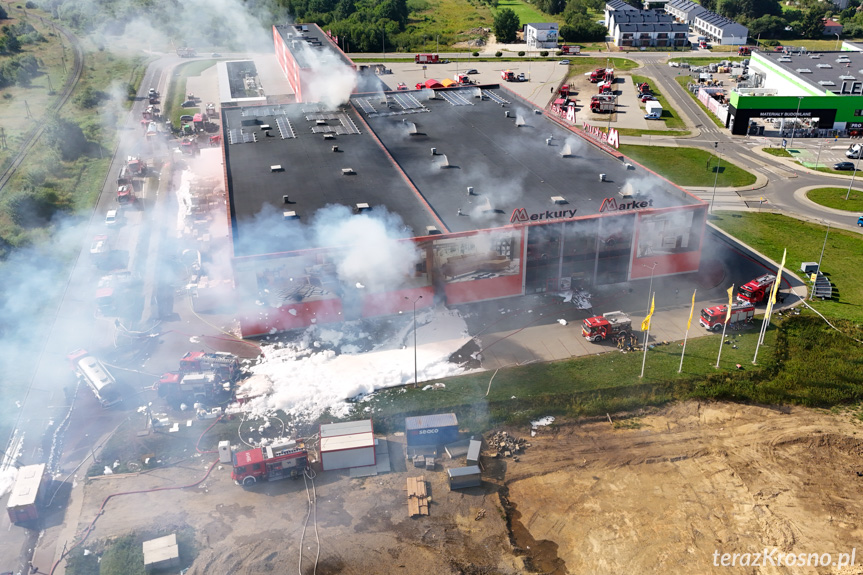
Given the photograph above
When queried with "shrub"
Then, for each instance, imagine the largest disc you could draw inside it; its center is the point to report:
(30, 5)
(544, 53)
(521, 53)
(475, 54)
(498, 54)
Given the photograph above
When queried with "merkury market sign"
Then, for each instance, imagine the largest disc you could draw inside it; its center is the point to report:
(612, 138)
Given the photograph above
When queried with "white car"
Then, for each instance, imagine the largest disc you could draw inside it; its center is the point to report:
(564, 62)
(111, 218)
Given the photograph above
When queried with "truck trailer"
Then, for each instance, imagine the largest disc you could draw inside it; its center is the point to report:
(27, 494)
(427, 58)
(270, 463)
(603, 326)
(654, 110)
(96, 376)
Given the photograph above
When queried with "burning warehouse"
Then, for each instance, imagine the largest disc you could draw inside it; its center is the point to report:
(345, 211)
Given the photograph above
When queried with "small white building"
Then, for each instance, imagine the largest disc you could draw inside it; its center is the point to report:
(541, 36)
(161, 553)
(348, 444)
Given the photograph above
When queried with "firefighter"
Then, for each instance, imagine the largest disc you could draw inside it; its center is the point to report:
(620, 341)
(633, 341)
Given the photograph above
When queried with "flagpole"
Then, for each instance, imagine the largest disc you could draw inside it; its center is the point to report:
(772, 301)
(644, 359)
(763, 331)
(647, 334)
(725, 324)
(686, 337)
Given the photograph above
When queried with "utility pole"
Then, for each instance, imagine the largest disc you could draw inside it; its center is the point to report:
(716, 177)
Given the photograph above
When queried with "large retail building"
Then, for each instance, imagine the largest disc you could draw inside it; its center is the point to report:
(398, 199)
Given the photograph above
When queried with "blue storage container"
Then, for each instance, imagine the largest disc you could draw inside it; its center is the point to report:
(437, 429)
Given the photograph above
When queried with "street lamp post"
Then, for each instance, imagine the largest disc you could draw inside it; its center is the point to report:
(818, 157)
(650, 290)
(610, 114)
(856, 163)
(414, 302)
(837, 41)
(716, 177)
(796, 119)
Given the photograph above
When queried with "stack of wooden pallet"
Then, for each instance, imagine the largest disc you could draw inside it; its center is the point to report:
(418, 499)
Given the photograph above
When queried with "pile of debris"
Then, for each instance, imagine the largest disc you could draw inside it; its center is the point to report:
(505, 445)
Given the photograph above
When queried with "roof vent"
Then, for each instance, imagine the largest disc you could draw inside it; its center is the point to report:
(290, 215)
(329, 136)
(804, 71)
(362, 207)
(824, 66)
(558, 200)
(265, 127)
(827, 83)
(321, 122)
(277, 168)
(432, 231)
(470, 190)
(348, 172)
(846, 77)
(335, 148)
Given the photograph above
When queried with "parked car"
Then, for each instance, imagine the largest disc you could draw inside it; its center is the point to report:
(111, 218)
(860, 221)
(189, 104)
(186, 118)
(647, 97)
(472, 71)
(216, 55)
(564, 62)
(844, 166)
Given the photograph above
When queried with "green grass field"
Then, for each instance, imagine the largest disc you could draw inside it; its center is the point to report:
(778, 152)
(689, 167)
(526, 13)
(835, 198)
(771, 233)
(451, 20)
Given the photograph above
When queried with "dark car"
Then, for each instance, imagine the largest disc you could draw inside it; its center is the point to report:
(844, 166)
(186, 118)
(189, 104)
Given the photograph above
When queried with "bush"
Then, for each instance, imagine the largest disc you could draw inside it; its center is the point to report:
(498, 54)
(475, 54)
(544, 53)
(521, 53)
(30, 5)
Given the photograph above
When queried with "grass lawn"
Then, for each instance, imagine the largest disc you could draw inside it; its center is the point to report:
(635, 132)
(172, 102)
(451, 20)
(835, 198)
(527, 13)
(684, 82)
(778, 152)
(688, 167)
(672, 120)
(771, 233)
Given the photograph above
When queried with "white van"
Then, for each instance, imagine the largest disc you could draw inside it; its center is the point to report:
(111, 218)
(854, 151)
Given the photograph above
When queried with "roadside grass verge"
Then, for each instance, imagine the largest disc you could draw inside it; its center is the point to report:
(835, 198)
(778, 152)
(176, 93)
(770, 234)
(684, 82)
(636, 132)
(688, 167)
(609, 383)
(579, 65)
(669, 116)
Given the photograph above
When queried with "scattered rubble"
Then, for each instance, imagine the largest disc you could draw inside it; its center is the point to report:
(505, 445)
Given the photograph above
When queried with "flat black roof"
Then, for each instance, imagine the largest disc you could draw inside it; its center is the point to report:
(826, 71)
(310, 46)
(512, 157)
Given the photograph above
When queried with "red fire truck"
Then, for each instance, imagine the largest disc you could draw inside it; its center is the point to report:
(712, 318)
(426, 58)
(757, 290)
(270, 463)
(603, 326)
(223, 364)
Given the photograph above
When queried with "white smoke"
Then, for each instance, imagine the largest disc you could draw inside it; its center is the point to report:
(331, 81)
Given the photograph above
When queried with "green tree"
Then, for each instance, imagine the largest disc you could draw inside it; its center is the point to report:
(767, 26)
(812, 23)
(66, 137)
(582, 28)
(506, 24)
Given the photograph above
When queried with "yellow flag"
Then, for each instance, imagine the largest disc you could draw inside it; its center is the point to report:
(778, 278)
(645, 325)
(691, 310)
(730, 296)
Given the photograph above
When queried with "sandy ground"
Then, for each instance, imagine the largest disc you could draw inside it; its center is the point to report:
(661, 493)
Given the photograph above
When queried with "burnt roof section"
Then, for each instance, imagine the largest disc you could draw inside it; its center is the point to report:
(492, 154)
(827, 71)
(287, 150)
(509, 155)
(299, 38)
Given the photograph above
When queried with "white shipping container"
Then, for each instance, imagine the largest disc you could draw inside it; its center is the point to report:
(346, 445)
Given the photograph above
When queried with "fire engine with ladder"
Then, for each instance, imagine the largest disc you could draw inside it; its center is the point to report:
(270, 463)
(757, 290)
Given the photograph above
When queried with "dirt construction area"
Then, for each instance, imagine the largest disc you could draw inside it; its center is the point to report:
(667, 492)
